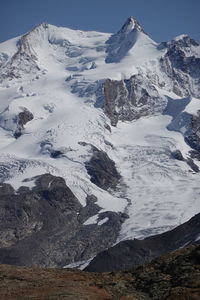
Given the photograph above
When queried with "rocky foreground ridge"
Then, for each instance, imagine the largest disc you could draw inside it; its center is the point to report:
(173, 276)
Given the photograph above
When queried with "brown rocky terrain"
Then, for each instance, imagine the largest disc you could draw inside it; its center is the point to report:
(173, 276)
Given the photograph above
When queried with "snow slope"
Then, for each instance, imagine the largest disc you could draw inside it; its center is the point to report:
(57, 82)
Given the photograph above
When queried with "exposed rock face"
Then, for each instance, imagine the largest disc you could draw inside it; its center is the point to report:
(15, 123)
(44, 226)
(102, 170)
(194, 154)
(182, 67)
(192, 135)
(23, 117)
(192, 165)
(127, 254)
(177, 155)
(174, 276)
(131, 99)
(186, 123)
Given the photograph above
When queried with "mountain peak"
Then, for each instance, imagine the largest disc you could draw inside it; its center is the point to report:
(41, 27)
(184, 40)
(131, 24)
(120, 43)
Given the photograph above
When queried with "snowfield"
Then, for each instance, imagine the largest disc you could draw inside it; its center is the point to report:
(58, 84)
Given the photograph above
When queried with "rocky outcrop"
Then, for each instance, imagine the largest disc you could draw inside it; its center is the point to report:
(15, 122)
(192, 135)
(102, 170)
(182, 66)
(128, 100)
(186, 123)
(174, 276)
(45, 225)
(131, 99)
(129, 253)
(23, 117)
(192, 165)
(176, 154)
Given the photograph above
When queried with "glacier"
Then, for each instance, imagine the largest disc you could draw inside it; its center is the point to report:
(61, 77)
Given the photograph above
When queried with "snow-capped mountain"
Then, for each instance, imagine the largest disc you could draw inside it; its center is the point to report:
(117, 117)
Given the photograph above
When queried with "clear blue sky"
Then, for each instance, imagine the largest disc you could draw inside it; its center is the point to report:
(161, 19)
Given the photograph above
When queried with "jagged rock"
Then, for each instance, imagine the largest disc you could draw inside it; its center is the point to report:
(131, 99)
(192, 135)
(127, 100)
(186, 123)
(108, 127)
(177, 155)
(194, 154)
(192, 125)
(129, 253)
(45, 225)
(93, 65)
(182, 67)
(192, 165)
(23, 117)
(15, 122)
(102, 170)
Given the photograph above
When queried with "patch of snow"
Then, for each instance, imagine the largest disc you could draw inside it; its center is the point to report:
(193, 107)
(79, 264)
(9, 47)
(180, 37)
(197, 238)
(91, 220)
(103, 221)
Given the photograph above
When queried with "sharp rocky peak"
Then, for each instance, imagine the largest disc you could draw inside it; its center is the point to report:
(33, 38)
(120, 43)
(40, 26)
(37, 31)
(130, 25)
